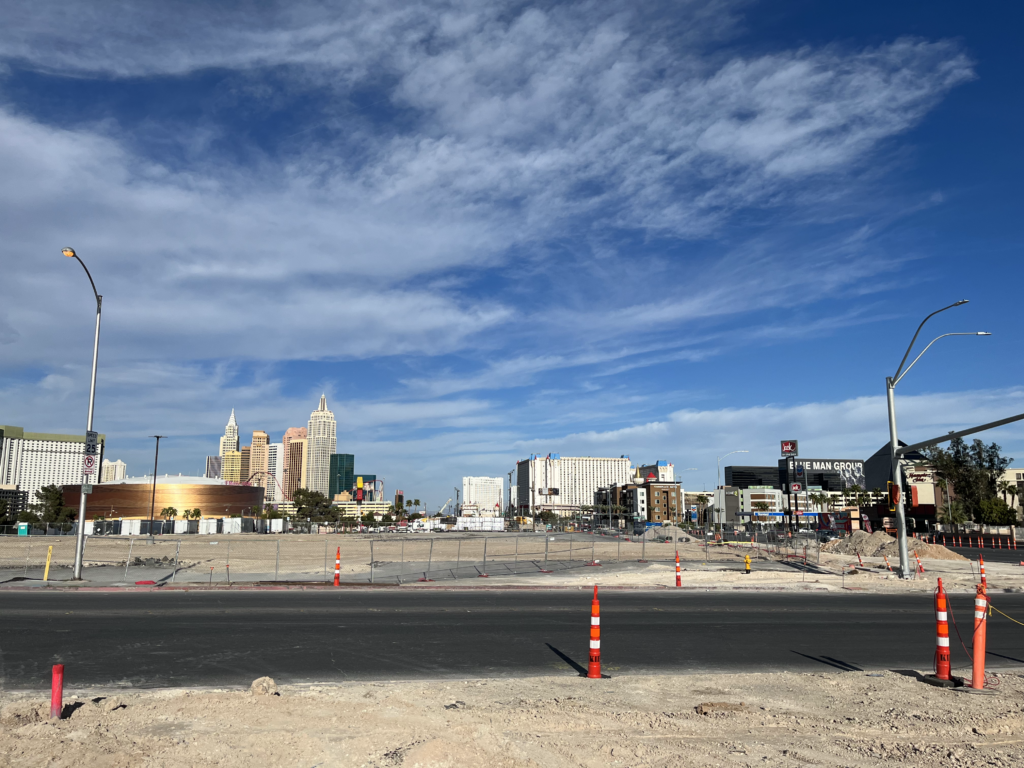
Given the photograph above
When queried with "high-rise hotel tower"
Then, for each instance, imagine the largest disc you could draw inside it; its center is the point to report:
(322, 441)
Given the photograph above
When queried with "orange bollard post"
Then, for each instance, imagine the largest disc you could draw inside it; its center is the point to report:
(679, 574)
(594, 669)
(337, 569)
(860, 560)
(980, 631)
(920, 568)
(57, 692)
(981, 565)
(941, 634)
(887, 563)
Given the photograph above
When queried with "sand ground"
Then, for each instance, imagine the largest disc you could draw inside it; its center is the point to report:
(829, 719)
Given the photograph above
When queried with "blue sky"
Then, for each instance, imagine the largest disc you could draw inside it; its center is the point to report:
(667, 230)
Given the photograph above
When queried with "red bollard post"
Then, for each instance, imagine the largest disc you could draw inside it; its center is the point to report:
(57, 692)
(679, 574)
(594, 669)
(980, 632)
(859, 560)
(886, 557)
(920, 568)
(337, 569)
(984, 581)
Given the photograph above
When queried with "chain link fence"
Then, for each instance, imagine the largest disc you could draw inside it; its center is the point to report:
(377, 559)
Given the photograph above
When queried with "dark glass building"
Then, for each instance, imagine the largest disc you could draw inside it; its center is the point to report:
(747, 477)
(342, 473)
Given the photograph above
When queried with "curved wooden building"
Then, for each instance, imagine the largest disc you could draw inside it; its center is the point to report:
(126, 501)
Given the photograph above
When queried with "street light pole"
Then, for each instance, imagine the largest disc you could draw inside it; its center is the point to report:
(80, 539)
(895, 467)
(152, 500)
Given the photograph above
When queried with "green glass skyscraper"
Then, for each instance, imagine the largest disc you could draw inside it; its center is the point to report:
(342, 473)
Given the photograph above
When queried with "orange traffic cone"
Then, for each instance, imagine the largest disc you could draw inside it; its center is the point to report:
(920, 568)
(980, 636)
(984, 581)
(679, 574)
(941, 634)
(337, 569)
(594, 669)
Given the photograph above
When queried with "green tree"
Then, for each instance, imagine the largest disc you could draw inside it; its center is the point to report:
(5, 512)
(1012, 490)
(953, 513)
(192, 514)
(311, 504)
(547, 517)
(368, 519)
(416, 503)
(974, 472)
(388, 518)
(995, 511)
(49, 507)
(761, 506)
(168, 513)
(1003, 487)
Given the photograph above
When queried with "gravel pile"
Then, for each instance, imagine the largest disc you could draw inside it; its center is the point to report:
(880, 544)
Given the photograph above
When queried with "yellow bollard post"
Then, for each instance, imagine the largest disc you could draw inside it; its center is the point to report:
(746, 562)
(49, 555)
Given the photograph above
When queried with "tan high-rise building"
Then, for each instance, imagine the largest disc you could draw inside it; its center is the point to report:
(259, 459)
(246, 453)
(290, 434)
(297, 457)
(231, 467)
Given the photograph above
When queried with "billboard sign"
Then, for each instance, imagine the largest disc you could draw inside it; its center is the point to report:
(789, 448)
(796, 487)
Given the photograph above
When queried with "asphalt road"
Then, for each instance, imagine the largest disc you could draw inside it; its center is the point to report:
(991, 555)
(209, 638)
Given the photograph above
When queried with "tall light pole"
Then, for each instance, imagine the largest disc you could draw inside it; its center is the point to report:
(80, 540)
(895, 469)
(152, 499)
(719, 484)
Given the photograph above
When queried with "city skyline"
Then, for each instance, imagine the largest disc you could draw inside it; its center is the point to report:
(490, 232)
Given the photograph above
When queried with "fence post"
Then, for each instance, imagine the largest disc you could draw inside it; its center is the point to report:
(570, 548)
(174, 573)
(485, 555)
(618, 549)
(430, 555)
(325, 560)
(401, 570)
(593, 543)
(277, 559)
(131, 543)
(458, 555)
(515, 561)
(546, 547)
(371, 561)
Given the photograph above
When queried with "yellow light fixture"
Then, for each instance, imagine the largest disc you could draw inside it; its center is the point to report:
(69, 252)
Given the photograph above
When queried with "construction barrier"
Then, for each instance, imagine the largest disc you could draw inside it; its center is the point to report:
(981, 566)
(337, 569)
(941, 634)
(594, 668)
(57, 692)
(679, 574)
(920, 568)
(980, 631)
(887, 563)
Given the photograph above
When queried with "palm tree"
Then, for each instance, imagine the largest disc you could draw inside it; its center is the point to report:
(1004, 487)
(416, 503)
(168, 513)
(1012, 490)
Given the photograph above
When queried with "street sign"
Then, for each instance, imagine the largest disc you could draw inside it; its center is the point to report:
(88, 465)
(796, 487)
(789, 448)
(92, 444)
(86, 488)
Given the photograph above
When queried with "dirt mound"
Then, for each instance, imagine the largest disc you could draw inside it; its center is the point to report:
(880, 544)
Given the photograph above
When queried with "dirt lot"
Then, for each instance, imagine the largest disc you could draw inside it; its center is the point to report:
(831, 719)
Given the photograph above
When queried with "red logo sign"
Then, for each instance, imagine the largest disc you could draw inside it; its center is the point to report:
(789, 447)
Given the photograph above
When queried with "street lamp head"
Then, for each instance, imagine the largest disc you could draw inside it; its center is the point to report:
(984, 333)
(69, 252)
(962, 301)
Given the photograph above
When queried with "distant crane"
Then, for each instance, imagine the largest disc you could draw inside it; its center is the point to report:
(440, 512)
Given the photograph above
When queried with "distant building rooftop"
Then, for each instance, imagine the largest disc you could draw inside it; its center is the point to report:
(170, 480)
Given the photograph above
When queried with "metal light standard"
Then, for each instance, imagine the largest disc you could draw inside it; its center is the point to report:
(730, 453)
(152, 500)
(895, 469)
(80, 540)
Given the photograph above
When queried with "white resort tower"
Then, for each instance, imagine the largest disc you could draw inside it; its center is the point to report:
(322, 441)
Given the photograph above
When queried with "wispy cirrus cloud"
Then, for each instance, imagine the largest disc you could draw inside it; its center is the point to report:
(521, 191)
